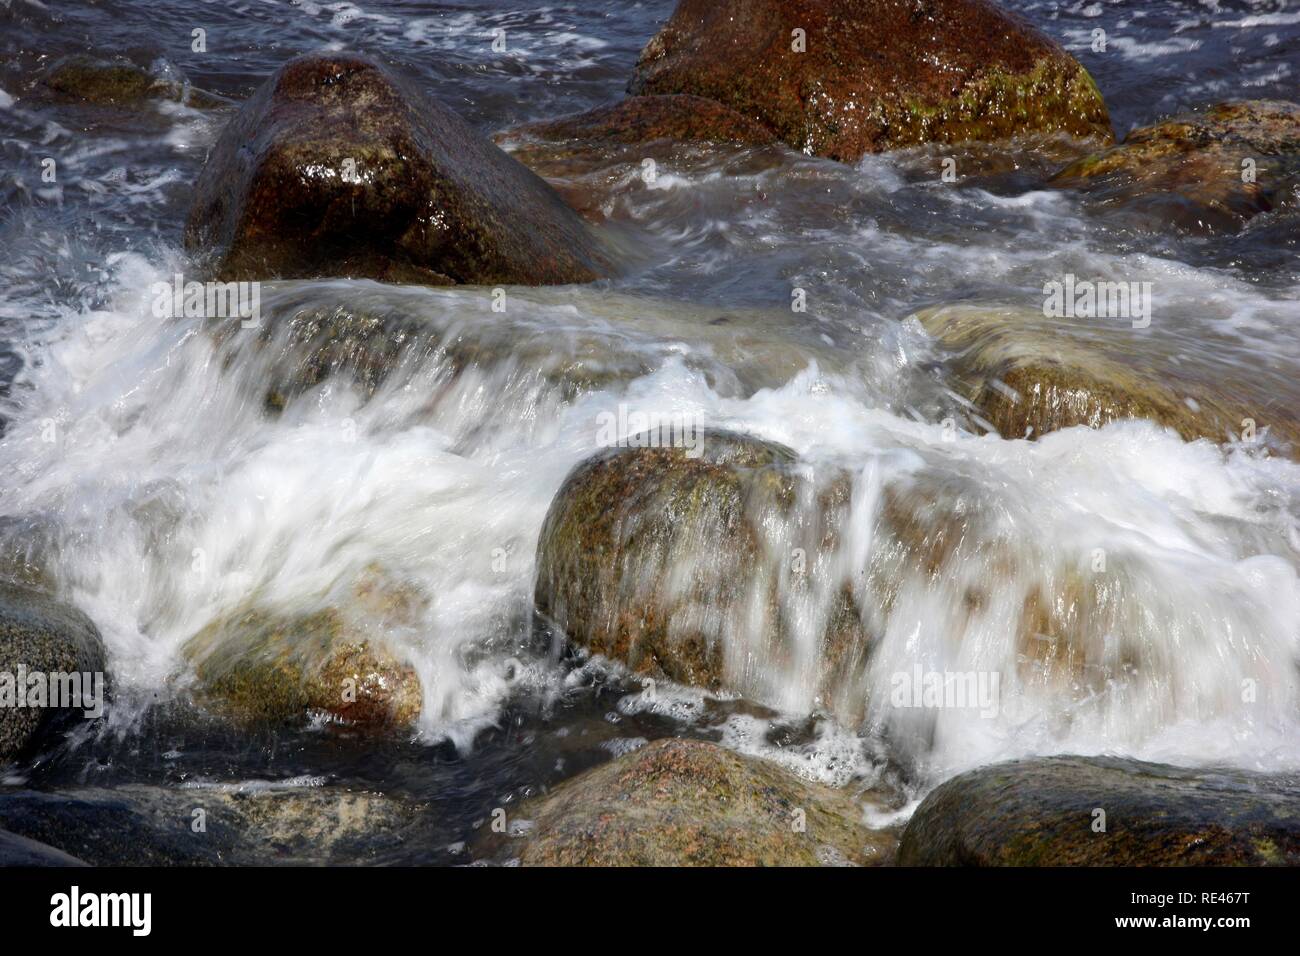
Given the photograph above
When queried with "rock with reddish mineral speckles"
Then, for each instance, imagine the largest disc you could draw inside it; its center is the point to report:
(840, 78)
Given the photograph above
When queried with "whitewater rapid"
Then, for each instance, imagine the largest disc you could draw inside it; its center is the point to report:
(168, 496)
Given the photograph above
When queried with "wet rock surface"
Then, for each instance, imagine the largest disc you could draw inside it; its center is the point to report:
(1028, 375)
(1041, 812)
(141, 825)
(1209, 170)
(337, 167)
(659, 557)
(40, 635)
(19, 851)
(260, 666)
(257, 667)
(693, 803)
(840, 78)
(119, 82)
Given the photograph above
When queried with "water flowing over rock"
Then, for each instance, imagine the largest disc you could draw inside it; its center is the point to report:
(807, 588)
(840, 78)
(1027, 375)
(257, 666)
(1044, 812)
(1209, 170)
(338, 167)
(692, 803)
(698, 565)
(120, 82)
(42, 637)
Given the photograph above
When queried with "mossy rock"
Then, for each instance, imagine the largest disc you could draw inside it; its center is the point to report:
(338, 167)
(260, 667)
(1209, 170)
(119, 82)
(365, 348)
(1028, 375)
(1042, 812)
(42, 635)
(692, 803)
(661, 560)
(873, 75)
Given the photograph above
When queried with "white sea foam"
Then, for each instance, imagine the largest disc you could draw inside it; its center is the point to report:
(162, 454)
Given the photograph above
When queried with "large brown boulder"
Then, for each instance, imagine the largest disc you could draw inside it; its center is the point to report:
(873, 75)
(701, 565)
(692, 803)
(337, 167)
(1044, 812)
(1208, 170)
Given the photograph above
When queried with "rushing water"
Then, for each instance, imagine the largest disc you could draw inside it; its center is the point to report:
(171, 496)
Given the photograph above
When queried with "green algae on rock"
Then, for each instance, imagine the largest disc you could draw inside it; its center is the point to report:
(693, 803)
(841, 78)
(258, 667)
(1043, 812)
(1028, 375)
(336, 167)
(1207, 170)
(119, 82)
(40, 635)
(687, 566)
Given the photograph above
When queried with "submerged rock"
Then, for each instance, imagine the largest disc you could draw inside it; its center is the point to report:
(337, 167)
(688, 563)
(643, 119)
(258, 666)
(41, 636)
(1028, 375)
(140, 825)
(1212, 169)
(1043, 812)
(119, 82)
(692, 803)
(840, 78)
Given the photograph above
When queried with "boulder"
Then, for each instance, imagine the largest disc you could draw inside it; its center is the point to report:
(1209, 170)
(19, 851)
(144, 825)
(693, 803)
(687, 564)
(39, 636)
(1027, 375)
(1043, 812)
(257, 666)
(337, 167)
(841, 78)
(119, 82)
